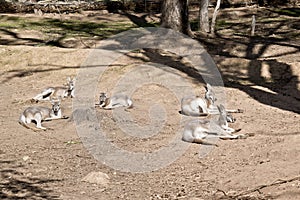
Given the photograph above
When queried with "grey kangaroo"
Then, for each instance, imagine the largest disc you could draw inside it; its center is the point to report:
(117, 100)
(40, 114)
(197, 106)
(57, 92)
(198, 131)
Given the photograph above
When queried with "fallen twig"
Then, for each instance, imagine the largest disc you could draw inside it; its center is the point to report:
(258, 188)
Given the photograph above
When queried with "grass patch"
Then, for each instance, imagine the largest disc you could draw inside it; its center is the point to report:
(66, 28)
(222, 24)
(272, 20)
(293, 12)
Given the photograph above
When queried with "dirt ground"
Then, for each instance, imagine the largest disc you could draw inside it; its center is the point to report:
(261, 77)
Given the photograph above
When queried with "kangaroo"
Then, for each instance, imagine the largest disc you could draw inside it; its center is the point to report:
(39, 114)
(199, 130)
(197, 106)
(57, 92)
(118, 100)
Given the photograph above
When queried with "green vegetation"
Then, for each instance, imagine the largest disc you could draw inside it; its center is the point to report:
(66, 28)
(293, 12)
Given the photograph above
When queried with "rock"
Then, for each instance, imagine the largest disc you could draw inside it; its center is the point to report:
(99, 178)
(25, 158)
(103, 12)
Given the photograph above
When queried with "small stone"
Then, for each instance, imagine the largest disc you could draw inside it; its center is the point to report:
(99, 178)
(104, 12)
(25, 158)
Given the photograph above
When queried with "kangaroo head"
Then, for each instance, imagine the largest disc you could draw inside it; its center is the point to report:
(209, 94)
(223, 116)
(70, 83)
(55, 105)
(102, 98)
(221, 109)
(229, 118)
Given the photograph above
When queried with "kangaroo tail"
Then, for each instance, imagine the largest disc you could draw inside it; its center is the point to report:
(201, 141)
(22, 121)
(194, 114)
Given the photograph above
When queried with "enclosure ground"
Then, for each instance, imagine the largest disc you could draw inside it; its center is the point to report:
(261, 75)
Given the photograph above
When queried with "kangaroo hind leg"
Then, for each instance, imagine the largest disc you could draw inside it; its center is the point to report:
(38, 120)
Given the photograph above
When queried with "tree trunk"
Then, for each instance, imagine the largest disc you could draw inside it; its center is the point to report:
(175, 15)
(214, 18)
(253, 25)
(203, 16)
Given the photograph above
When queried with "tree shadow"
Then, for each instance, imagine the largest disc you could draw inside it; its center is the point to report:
(172, 61)
(55, 31)
(279, 89)
(28, 41)
(266, 79)
(15, 185)
(140, 21)
(19, 73)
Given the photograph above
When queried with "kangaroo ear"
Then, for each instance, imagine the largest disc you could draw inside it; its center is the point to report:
(68, 78)
(108, 93)
(219, 108)
(208, 87)
(222, 107)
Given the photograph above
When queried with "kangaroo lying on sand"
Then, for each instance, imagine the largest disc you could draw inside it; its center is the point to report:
(118, 100)
(57, 92)
(39, 114)
(197, 106)
(198, 131)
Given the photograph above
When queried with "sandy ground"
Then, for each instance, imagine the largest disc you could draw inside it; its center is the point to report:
(51, 164)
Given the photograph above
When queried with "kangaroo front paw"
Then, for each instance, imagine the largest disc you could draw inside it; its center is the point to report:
(250, 134)
(65, 117)
(237, 130)
(34, 101)
(242, 136)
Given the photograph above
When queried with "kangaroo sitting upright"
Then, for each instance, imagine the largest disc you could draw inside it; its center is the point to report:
(39, 114)
(57, 92)
(118, 100)
(197, 106)
(198, 131)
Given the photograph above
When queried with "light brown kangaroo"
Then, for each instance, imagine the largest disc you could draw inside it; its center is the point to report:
(198, 131)
(57, 92)
(40, 114)
(117, 100)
